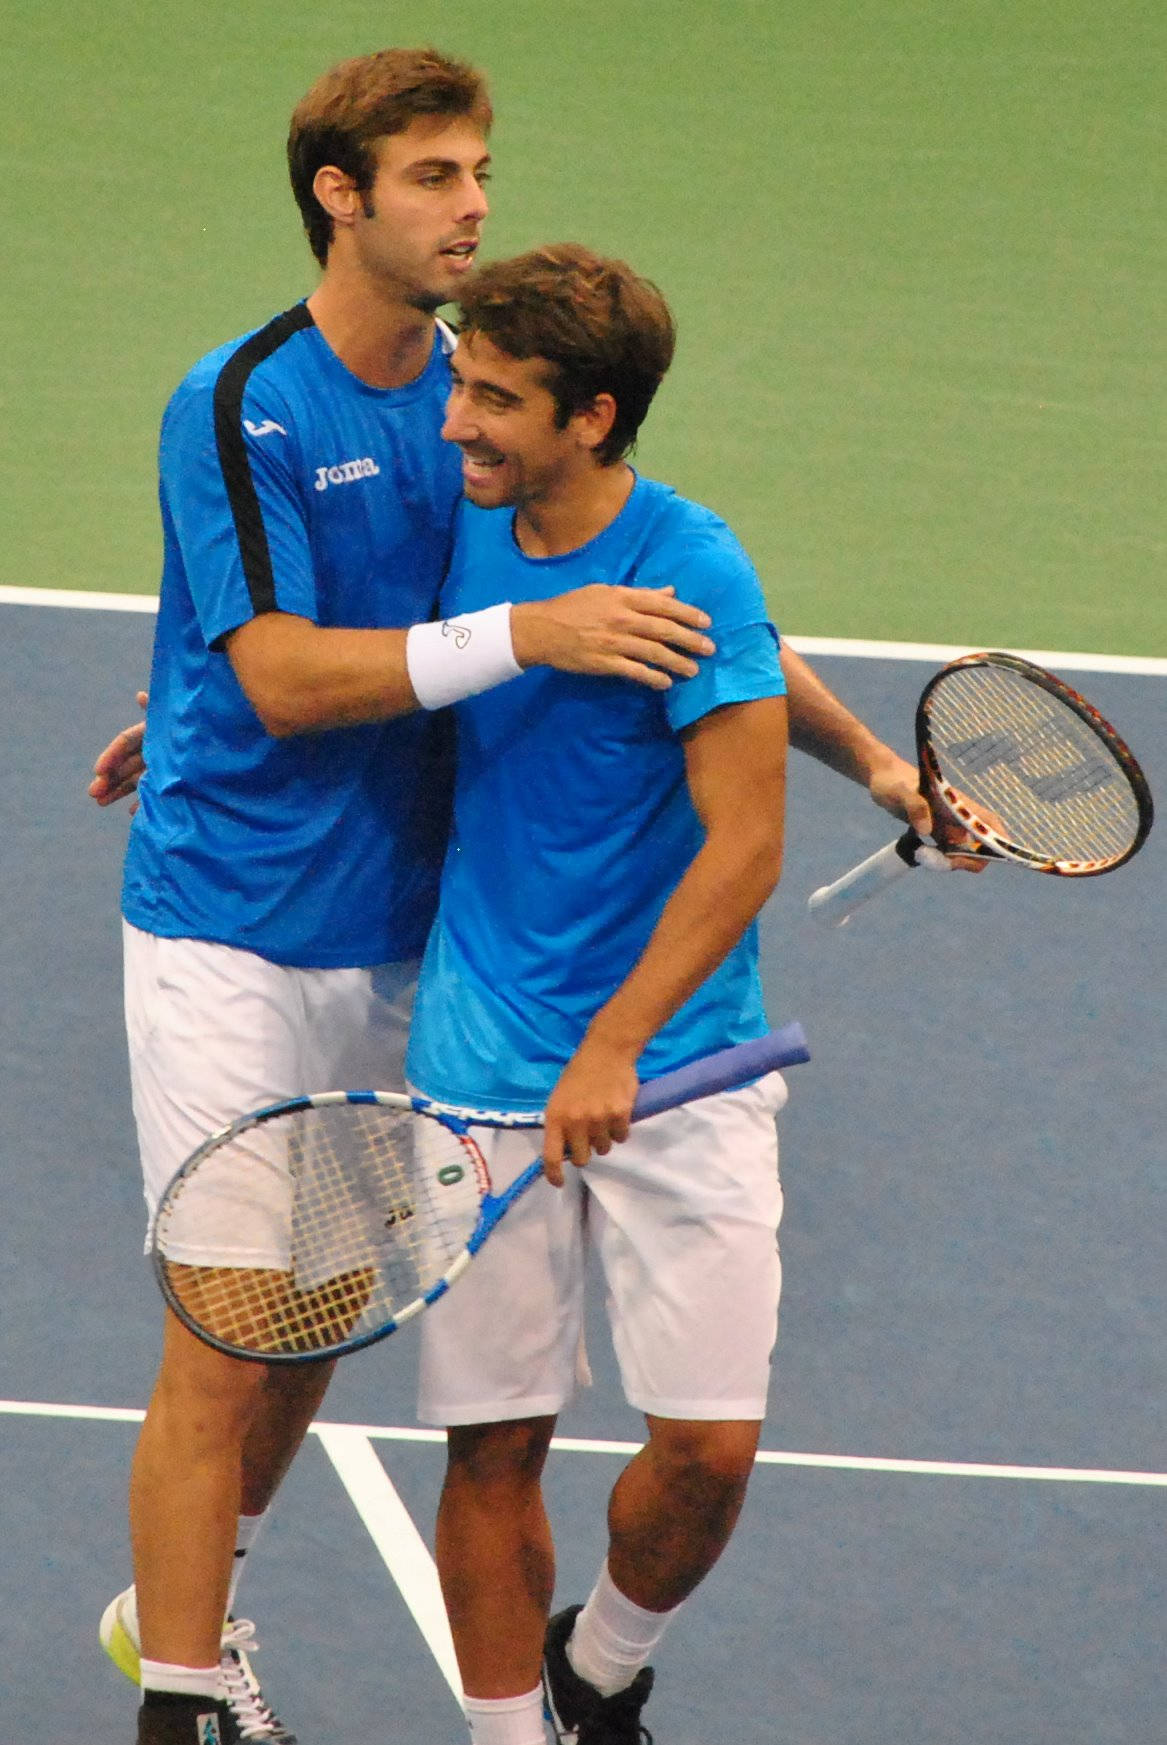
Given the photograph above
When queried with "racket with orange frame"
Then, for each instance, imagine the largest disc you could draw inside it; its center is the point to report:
(1023, 768)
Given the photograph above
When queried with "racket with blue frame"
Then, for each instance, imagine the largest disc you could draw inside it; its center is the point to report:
(350, 1212)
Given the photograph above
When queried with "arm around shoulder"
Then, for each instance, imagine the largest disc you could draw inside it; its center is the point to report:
(301, 677)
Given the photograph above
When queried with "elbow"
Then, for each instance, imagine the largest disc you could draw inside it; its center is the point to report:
(274, 661)
(282, 713)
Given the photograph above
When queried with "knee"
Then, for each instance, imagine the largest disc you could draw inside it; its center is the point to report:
(711, 1462)
(203, 1394)
(496, 1461)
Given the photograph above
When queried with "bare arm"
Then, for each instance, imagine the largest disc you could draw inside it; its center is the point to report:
(735, 763)
(822, 727)
(301, 678)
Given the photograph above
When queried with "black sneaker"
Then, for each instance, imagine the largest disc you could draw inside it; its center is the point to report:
(168, 1718)
(579, 1715)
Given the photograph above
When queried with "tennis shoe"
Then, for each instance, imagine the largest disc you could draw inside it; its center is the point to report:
(251, 1714)
(250, 1709)
(578, 1714)
(167, 1718)
(118, 1635)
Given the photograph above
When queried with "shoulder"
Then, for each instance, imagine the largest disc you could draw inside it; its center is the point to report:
(260, 370)
(692, 547)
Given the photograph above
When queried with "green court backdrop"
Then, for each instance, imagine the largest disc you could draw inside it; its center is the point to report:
(917, 250)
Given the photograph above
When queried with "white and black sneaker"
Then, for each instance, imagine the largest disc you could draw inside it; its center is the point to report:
(252, 1716)
(252, 1713)
(578, 1714)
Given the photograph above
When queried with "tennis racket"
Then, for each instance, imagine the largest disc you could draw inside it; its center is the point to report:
(359, 1208)
(1025, 767)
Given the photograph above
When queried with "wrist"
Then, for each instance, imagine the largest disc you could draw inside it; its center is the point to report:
(460, 657)
(525, 639)
(622, 1042)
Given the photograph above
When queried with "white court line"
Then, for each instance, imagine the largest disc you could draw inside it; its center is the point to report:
(940, 653)
(406, 1555)
(937, 653)
(590, 1445)
(372, 1493)
(80, 598)
(391, 1528)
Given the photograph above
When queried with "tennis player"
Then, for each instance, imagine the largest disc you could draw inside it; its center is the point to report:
(610, 851)
(282, 866)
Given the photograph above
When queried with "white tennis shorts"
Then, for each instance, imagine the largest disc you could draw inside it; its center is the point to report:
(215, 1032)
(683, 1218)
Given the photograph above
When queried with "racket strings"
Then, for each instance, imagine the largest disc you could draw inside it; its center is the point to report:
(364, 1210)
(1059, 791)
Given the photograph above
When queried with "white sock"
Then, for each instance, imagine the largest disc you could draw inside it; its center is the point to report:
(614, 1637)
(246, 1532)
(506, 1720)
(190, 1681)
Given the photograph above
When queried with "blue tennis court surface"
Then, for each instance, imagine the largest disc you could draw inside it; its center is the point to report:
(974, 1164)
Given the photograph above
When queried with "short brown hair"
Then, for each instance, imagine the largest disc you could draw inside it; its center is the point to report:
(362, 100)
(599, 326)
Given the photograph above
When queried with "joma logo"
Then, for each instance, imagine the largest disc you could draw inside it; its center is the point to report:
(346, 472)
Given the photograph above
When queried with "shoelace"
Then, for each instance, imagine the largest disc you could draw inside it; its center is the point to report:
(244, 1696)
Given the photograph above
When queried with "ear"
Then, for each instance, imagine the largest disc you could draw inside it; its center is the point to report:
(337, 193)
(593, 421)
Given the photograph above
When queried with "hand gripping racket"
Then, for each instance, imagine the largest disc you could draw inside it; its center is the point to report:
(345, 1214)
(1022, 764)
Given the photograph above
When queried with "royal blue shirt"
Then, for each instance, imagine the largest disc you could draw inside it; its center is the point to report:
(288, 484)
(573, 821)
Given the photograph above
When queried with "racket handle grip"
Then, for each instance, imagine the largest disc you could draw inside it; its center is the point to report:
(723, 1071)
(833, 905)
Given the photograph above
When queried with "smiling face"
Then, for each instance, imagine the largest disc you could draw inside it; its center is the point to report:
(416, 231)
(504, 418)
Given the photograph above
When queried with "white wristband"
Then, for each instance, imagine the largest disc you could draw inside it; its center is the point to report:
(458, 657)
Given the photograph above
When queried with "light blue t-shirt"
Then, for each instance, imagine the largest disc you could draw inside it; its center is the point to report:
(288, 484)
(573, 821)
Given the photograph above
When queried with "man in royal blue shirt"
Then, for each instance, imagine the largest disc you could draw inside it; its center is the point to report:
(281, 871)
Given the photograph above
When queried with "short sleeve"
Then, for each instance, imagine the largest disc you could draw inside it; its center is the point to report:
(236, 511)
(711, 570)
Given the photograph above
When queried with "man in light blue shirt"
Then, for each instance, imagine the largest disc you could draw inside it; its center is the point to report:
(609, 853)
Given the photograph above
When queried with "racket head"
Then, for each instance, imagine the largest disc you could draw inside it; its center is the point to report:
(358, 1210)
(1015, 757)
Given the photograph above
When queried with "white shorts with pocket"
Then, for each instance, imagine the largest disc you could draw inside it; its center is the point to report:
(683, 1218)
(215, 1032)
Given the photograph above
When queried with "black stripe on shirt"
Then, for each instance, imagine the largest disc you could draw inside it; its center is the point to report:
(233, 457)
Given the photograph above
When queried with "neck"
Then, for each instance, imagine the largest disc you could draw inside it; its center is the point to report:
(567, 519)
(385, 342)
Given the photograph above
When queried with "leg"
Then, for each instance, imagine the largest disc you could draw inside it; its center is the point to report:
(506, 1341)
(670, 1516)
(494, 1553)
(185, 1489)
(288, 1402)
(674, 1507)
(686, 1233)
